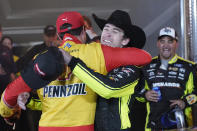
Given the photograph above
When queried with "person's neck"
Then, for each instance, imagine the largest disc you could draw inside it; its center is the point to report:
(164, 63)
(161, 57)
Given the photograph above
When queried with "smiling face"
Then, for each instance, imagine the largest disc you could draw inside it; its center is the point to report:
(167, 47)
(113, 36)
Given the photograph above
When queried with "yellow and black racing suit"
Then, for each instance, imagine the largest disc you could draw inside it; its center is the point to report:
(178, 81)
(113, 108)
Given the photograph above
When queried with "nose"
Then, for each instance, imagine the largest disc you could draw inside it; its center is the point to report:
(108, 34)
(165, 44)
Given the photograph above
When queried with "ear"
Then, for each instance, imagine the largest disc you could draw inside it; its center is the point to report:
(125, 41)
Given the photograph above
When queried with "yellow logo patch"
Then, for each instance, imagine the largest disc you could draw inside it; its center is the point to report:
(191, 99)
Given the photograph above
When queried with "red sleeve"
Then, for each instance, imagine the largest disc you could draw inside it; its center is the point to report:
(115, 57)
(12, 91)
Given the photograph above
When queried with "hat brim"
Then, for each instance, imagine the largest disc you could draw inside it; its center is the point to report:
(167, 36)
(136, 34)
(100, 22)
(137, 37)
(32, 79)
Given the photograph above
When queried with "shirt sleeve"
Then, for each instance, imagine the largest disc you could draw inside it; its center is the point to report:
(119, 82)
(115, 57)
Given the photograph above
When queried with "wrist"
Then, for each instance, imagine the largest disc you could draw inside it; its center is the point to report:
(73, 62)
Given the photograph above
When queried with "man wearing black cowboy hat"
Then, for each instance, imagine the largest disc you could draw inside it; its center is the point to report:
(118, 31)
(113, 114)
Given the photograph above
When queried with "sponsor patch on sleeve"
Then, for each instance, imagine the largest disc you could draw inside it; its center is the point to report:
(67, 44)
(191, 99)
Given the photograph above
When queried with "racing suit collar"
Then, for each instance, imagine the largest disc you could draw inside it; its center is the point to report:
(172, 60)
(69, 37)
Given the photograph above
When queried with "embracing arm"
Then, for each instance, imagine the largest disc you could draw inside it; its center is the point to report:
(115, 57)
(102, 85)
(121, 83)
(9, 97)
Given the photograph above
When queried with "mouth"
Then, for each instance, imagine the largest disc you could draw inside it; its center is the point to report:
(166, 50)
(107, 41)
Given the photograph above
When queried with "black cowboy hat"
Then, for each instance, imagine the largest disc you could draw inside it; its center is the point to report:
(122, 20)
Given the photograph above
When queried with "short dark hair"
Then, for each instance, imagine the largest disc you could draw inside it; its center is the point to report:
(75, 32)
(50, 30)
(6, 37)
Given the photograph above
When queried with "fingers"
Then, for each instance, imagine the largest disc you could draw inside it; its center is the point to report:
(180, 103)
(12, 119)
(152, 96)
(8, 122)
(22, 105)
(22, 100)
